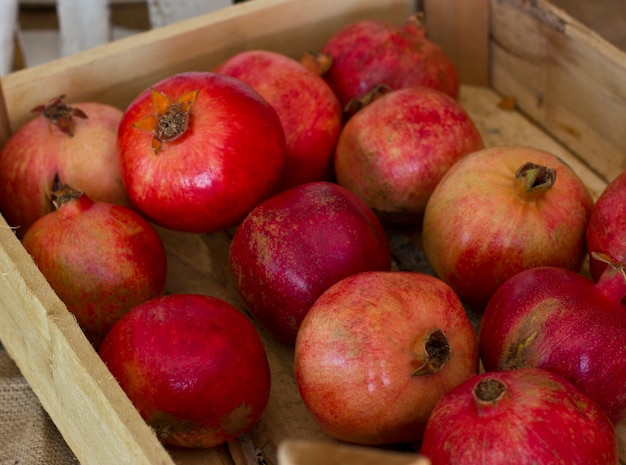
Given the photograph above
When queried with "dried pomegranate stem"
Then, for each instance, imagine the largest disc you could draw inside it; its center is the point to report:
(60, 114)
(535, 178)
(437, 353)
(612, 283)
(316, 62)
(356, 104)
(488, 391)
(64, 194)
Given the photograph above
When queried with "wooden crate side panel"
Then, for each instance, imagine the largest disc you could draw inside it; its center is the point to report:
(461, 28)
(95, 417)
(565, 77)
(116, 72)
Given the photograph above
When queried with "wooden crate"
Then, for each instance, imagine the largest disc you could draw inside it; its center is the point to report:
(569, 86)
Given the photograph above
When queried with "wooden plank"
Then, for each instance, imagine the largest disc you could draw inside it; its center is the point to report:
(565, 77)
(164, 12)
(68, 377)
(95, 417)
(116, 72)
(606, 17)
(461, 28)
(302, 452)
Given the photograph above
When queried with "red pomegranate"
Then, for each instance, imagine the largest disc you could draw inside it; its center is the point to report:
(100, 258)
(193, 366)
(369, 53)
(559, 320)
(65, 144)
(293, 246)
(199, 150)
(394, 151)
(377, 350)
(530, 416)
(499, 211)
(307, 107)
(606, 226)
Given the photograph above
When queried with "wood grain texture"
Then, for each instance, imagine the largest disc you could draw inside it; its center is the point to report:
(540, 50)
(564, 76)
(461, 28)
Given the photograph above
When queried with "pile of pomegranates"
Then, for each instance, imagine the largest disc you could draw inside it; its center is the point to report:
(308, 166)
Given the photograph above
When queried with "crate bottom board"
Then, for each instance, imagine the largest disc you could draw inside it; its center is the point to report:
(199, 264)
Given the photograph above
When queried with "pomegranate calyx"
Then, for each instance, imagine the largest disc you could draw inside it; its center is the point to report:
(60, 114)
(437, 353)
(316, 62)
(489, 391)
(416, 24)
(170, 119)
(612, 282)
(535, 178)
(65, 194)
(356, 104)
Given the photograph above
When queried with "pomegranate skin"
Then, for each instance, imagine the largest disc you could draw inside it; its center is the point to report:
(229, 156)
(559, 320)
(394, 151)
(307, 107)
(369, 53)
(366, 362)
(296, 244)
(540, 418)
(101, 259)
(194, 367)
(485, 222)
(605, 232)
(39, 151)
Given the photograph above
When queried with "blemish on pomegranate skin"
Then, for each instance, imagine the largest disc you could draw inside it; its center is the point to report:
(237, 419)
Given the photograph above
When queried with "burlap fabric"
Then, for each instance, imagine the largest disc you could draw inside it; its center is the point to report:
(27, 435)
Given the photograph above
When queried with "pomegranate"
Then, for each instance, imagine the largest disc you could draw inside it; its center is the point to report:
(369, 53)
(307, 107)
(293, 246)
(502, 210)
(100, 258)
(199, 150)
(557, 319)
(193, 366)
(395, 150)
(528, 415)
(65, 144)
(377, 350)
(606, 226)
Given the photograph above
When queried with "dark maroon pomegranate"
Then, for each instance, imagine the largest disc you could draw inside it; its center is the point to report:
(295, 245)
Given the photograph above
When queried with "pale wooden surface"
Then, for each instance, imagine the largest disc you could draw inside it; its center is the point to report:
(606, 17)
(564, 76)
(199, 263)
(301, 452)
(461, 28)
(73, 385)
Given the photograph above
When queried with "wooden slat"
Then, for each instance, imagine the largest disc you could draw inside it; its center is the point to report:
(302, 452)
(65, 373)
(91, 411)
(565, 77)
(116, 72)
(461, 28)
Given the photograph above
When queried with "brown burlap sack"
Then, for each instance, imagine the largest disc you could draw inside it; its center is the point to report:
(27, 434)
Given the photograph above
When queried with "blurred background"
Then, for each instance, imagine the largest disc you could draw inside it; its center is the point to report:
(35, 31)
